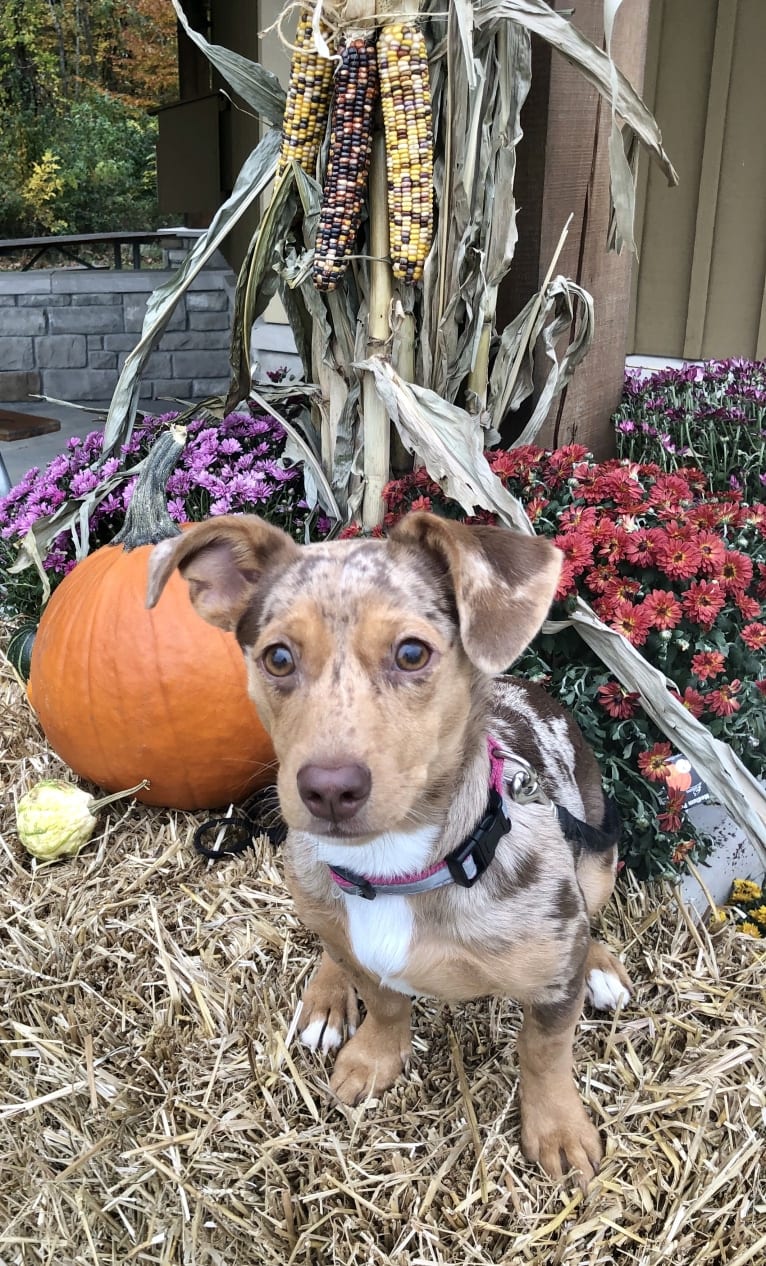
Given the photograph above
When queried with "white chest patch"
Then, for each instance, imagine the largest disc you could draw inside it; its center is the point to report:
(380, 931)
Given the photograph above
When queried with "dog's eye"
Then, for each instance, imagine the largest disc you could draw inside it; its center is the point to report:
(278, 660)
(412, 655)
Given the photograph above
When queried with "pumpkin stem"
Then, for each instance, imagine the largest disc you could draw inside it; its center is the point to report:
(147, 520)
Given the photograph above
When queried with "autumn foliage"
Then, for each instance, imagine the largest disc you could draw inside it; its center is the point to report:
(77, 79)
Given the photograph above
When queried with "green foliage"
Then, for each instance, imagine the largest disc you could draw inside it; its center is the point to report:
(89, 169)
(77, 145)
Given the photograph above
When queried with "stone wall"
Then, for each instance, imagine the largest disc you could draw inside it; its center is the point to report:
(65, 332)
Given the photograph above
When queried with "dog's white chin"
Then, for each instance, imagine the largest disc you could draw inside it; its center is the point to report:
(388, 855)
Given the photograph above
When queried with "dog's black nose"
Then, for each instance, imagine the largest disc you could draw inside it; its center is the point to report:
(334, 793)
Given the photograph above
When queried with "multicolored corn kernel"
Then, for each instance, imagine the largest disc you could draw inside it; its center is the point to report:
(355, 94)
(308, 101)
(405, 94)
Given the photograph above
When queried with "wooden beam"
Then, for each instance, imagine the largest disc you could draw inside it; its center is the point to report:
(569, 172)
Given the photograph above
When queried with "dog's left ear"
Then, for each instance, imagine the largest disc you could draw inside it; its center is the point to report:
(504, 582)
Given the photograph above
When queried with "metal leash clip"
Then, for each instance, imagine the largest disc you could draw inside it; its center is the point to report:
(524, 786)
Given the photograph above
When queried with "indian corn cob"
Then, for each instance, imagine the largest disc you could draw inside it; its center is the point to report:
(405, 94)
(355, 94)
(308, 101)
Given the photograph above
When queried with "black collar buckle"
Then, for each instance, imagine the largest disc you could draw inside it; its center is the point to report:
(469, 860)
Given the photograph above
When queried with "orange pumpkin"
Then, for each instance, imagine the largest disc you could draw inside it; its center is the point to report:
(123, 693)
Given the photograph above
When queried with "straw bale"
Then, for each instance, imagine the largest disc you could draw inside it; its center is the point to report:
(155, 1107)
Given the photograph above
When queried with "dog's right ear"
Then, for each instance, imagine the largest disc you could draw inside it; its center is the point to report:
(222, 561)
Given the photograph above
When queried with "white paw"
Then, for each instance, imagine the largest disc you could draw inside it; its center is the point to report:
(321, 1036)
(605, 991)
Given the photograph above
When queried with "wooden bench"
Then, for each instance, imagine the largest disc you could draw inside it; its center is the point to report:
(21, 426)
(72, 244)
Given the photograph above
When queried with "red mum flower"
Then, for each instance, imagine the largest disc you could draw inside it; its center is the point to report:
(621, 487)
(640, 549)
(678, 557)
(692, 700)
(760, 584)
(599, 578)
(672, 818)
(566, 585)
(755, 516)
(760, 685)
(754, 636)
(736, 572)
(728, 514)
(589, 483)
(705, 515)
(663, 608)
(577, 548)
(632, 621)
(610, 540)
(421, 503)
(577, 516)
(617, 701)
(721, 702)
(669, 493)
(603, 608)
(622, 588)
(707, 664)
(563, 460)
(749, 607)
(535, 507)
(654, 763)
(703, 601)
(712, 552)
(512, 463)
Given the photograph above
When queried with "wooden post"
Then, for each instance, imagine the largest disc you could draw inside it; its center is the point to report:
(562, 168)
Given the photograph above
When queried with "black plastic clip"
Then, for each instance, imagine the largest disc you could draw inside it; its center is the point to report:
(468, 862)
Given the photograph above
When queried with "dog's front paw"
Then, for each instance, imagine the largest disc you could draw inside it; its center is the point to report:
(368, 1065)
(561, 1138)
(329, 1008)
(607, 984)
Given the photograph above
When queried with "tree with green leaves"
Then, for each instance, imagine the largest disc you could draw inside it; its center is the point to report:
(77, 78)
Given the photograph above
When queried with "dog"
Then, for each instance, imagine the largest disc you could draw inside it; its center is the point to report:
(448, 831)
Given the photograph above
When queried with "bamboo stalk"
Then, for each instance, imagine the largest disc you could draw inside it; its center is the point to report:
(377, 428)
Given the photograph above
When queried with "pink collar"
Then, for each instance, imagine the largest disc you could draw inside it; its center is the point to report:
(463, 866)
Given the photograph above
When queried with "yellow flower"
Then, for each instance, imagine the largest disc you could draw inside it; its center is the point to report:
(745, 890)
(759, 914)
(750, 929)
